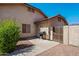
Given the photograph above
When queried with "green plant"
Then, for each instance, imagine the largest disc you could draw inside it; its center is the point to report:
(9, 35)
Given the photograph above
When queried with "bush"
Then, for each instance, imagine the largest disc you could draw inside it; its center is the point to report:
(9, 35)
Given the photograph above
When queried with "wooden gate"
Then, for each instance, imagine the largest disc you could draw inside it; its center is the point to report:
(58, 34)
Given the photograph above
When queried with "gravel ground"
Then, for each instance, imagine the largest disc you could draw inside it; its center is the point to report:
(25, 52)
(32, 47)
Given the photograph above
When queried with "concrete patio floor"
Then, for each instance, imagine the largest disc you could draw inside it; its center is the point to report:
(38, 46)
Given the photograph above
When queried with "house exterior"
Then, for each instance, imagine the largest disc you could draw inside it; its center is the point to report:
(33, 21)
(53, 27)
(25, 15)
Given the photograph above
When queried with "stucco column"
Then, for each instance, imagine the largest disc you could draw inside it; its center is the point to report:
(51, 34)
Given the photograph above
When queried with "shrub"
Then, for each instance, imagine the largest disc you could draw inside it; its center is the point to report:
(9, 35)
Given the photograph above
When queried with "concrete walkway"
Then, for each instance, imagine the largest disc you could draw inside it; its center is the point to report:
(61, 50)
(39, 46)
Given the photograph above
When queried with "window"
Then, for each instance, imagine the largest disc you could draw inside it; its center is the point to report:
(25, 28)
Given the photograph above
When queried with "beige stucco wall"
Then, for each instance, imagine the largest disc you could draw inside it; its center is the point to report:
(65, 35)
(21, 14)
(72, 36)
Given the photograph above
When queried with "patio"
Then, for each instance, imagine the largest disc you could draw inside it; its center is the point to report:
(32, 47)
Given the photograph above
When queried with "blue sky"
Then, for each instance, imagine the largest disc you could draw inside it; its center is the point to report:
(69, 10)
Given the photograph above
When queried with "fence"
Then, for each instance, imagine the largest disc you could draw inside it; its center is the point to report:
(71, 35)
